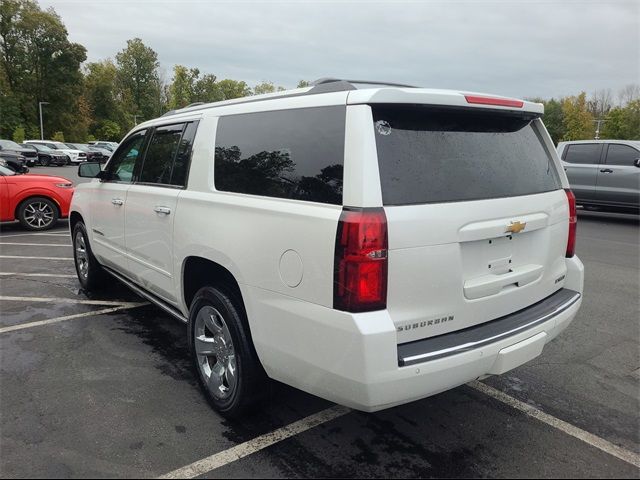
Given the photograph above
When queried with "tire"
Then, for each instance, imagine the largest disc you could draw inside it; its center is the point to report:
(38, 213)
(219, 341)
(45, 162)
(90, 273)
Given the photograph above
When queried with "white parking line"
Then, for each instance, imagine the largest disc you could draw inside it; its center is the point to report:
(24, 326)
(59, 234)
(35, 258)
(55, 275)
(259, 443)
(589, 438)
(69, 300)
(37, 244)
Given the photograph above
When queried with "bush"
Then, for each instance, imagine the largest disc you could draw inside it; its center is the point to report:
(33, 132)
(58, 137)
(19, 135)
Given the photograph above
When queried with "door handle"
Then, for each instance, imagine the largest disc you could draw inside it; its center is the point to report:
(117, 201)
(606, 170)
(164, 210)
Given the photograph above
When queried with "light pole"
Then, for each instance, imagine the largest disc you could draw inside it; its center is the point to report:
(598, 123)
(41, 129)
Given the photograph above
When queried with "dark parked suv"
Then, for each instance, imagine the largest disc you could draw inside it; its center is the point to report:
(603, 173)
(7, 147)
(47, 156)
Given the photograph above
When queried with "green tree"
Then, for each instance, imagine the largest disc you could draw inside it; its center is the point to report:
(623, 123)
(188, 87)
(37, 63)
(181, 90)
(109, 130)
(303, 84)
(266, 87)
(207, 90)
(577, 120)
(58, 137)
(101, 92)
(138, 79)
(18, 135)
(554, 119)
(233, 89)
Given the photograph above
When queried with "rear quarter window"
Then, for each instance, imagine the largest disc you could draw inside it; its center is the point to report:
(432, 155)
(623, 155)
(583, 153)
(296, 154)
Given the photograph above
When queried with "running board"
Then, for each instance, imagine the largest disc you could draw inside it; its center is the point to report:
(148, 296)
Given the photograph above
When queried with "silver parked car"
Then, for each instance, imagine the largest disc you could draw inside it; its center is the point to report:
(603, 173)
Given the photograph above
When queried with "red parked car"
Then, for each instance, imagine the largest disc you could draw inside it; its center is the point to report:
(36, 201)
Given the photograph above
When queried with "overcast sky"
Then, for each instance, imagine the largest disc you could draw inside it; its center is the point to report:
(518, 48)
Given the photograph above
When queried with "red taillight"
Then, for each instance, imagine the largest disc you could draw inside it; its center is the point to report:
(502, 102)
(573, 221)
(360, 279)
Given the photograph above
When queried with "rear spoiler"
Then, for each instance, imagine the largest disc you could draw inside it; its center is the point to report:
(445, 98)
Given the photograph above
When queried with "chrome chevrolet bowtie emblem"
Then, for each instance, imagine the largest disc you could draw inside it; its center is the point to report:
(516, 227)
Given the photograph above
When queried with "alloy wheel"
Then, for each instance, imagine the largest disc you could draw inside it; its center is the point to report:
(82, 259)
(215, 352)
(38, 215)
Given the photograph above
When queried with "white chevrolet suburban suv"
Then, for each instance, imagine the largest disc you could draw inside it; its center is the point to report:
(372, 246)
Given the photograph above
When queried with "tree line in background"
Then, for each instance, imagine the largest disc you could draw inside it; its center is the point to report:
(103, 100)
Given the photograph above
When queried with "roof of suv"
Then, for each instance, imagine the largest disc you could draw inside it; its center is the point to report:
(381, 92)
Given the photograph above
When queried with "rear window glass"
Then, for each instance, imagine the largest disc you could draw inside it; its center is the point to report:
(296, 154)
(584, 153)
(429, 155)
(622, 155)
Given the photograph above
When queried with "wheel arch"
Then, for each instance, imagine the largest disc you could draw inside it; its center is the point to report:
(37, 195)
(198, 272)
(74, 218)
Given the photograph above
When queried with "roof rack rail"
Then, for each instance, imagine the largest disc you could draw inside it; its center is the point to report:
(325, 80)
(322, 85)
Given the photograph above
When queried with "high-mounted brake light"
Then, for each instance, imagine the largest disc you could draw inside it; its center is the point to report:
(573, 222)
(360, 278)
(501, 102)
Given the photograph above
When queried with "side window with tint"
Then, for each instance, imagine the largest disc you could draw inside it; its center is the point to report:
(123, 161)
(588, 153)
(622, 155)
(296, 154)
(161, 152)
(183, 158)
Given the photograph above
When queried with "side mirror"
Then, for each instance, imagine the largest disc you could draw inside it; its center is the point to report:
(89, 170)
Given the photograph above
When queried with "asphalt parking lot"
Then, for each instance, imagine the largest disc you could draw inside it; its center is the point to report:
(100, 386)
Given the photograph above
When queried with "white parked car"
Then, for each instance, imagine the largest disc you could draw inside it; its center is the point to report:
(110, 146)
(75, 155)
(371, 246)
